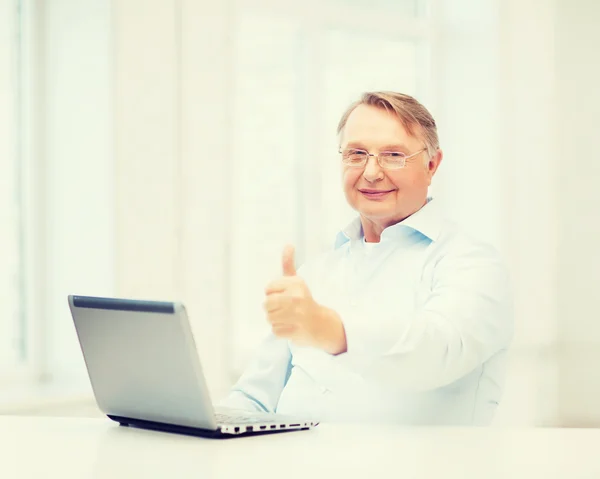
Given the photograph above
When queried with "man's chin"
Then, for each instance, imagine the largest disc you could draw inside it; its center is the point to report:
(375, 211)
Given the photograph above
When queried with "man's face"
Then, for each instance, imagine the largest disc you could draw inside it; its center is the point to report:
(385, 196)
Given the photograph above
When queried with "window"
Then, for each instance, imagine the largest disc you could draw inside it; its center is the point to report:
(13, 327)
(56, 210)
(295, 69)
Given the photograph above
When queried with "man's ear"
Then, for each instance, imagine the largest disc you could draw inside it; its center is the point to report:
(434, 162)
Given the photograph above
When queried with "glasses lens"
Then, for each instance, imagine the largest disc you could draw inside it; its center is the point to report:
(354, 157)
(392, 159)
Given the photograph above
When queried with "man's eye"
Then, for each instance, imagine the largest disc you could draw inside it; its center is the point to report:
(354, 154)
(393, 154)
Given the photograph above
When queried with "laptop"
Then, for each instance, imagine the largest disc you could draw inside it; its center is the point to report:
(145, 372)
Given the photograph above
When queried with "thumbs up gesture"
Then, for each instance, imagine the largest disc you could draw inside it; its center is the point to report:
(288, 261)
(295, 315)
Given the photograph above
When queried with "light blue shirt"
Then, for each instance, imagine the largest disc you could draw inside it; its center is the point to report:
(428, 318)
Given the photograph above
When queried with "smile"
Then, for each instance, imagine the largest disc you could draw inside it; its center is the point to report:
(375, 194)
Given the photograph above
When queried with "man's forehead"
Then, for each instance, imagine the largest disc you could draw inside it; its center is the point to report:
(367, 123)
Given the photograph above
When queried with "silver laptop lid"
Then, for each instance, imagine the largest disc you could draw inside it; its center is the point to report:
(142, 361)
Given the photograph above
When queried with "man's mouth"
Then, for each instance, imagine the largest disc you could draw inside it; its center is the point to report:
(374, 194)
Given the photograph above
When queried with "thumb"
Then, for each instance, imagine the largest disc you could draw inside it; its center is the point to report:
(288, 262)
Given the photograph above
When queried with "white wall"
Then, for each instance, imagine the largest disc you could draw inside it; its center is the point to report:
(146, 126)
(171, 121)
(578, 72)
(550, 109)
(205, 148)
(578, 205)
(529, 161)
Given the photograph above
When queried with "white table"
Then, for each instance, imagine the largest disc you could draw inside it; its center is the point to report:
(85, 448)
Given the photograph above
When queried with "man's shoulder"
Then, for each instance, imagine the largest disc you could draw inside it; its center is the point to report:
(456, 239)
(466, 258)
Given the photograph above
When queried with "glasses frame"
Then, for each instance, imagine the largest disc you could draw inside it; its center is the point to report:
(378, 157)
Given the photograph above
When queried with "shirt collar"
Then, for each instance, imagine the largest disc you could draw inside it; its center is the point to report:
(426, 221)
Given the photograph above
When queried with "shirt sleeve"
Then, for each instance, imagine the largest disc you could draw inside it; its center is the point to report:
(465, 320)
(261, 384)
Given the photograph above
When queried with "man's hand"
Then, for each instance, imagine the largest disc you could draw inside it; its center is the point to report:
(295, 315)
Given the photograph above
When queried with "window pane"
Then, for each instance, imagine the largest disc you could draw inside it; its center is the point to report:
(354, 64)
(264, 140)
(11, 338)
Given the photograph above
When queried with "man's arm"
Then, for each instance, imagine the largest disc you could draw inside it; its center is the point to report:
(261, 384)
(466, 319)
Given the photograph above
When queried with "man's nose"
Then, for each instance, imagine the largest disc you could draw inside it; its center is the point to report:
(373, 171)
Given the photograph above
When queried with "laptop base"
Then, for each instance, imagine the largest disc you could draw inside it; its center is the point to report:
(190, 431)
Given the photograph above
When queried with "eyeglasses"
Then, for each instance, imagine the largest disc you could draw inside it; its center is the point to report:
(390, 160)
